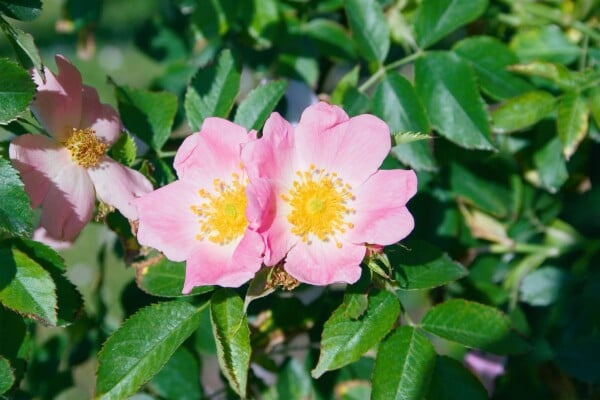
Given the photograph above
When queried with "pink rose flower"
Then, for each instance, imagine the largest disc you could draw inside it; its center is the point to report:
(320, 195)
(65, 172)
(201, 217)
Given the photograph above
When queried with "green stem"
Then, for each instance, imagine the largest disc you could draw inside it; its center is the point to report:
(381, 71)
(165, 154)
(525, 248)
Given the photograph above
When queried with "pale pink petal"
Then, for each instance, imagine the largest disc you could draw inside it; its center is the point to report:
(42, 235)
(353, 149)
(381, 214)
(323, 263)
(229, 266)
(261, 203)
(38, 159)
(69, 203)
(57, 103)
(102, 118)
(118, 186)
(213, 152)
(278, 241)
(166, 220)
(320, 117)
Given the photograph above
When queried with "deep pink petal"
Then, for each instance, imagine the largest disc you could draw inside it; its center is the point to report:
(57, 103)
(38, 159)
(278, 241)
(213, 152)
(102, 118)
(166, 220)
(323, 263)
(381, 214)
(118, 186)
(69, 203)
(261, 203)
(230, 266)
(353, 149)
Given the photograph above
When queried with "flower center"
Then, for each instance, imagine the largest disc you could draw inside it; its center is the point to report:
(223, 212)
(319, 205)
(85, 148)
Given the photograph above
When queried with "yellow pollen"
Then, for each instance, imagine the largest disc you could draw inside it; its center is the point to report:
(222, 215)
(319, 203)
(85, 148)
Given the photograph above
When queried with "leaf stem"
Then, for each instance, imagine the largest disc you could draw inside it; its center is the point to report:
(381, 71)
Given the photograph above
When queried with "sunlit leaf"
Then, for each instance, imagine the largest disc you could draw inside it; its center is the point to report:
(572, 121)
(258, 105)
(369, 28)
(522, 111)
(7, 376)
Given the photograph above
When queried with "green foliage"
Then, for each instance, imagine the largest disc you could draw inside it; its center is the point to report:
(369, 30)
(7, 376)
(179, 378)
(23, 45)
(16, 216)
(124, 150)
(451, 373)
(522, 111)
(16, 90)
(142, 346)
(258, 105)
(21, 9)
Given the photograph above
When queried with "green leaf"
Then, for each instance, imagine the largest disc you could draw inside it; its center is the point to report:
(254, 110)
(16, 90)
(435, 19)
(594, 104)
(547, 43)
(349, 80)
(159, 276)
(480, 191)
(26, 288)
(452, 381)
(124, 150)
(24, 10)
(212, 91)
(544, 286)
(572, 121)
(396, 102)
(230, 328)
(419, 265)
(141, 346)
(369, 28)
(405, 361)
(550, 164)
(355, 102)
(179, 379)
(522, 111)
(265, 19)
(330, 38)
(16, 215)
(446, 85)
(345, 339)
(7, 376)
(556, 73)
(474, 325)
(490, 59)
(148, 115)
(24, 46)
(294, 381)
(69, 300)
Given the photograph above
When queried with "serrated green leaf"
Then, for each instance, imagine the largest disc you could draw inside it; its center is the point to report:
(24, 10)
(212, 91)
(254, 110)
(294, 381)
(16, 215)
(344, 340)
(547, 43)
(124, 149)
(16, 90)
(159, 276)
(179, 379)
(446, 85)
(24, 46)
(230, 328)
(474, 325)
(522, 111)
(405, 361)
(449, 373)
(369, 28)
(26, 288)
(330, 38)
(572, 121)
(141, 346)
(556, 73)
(419, 265)
(148, 115)
(490, 59)
(437, 18)
(550, 164)
(7, 376)
(396, 102)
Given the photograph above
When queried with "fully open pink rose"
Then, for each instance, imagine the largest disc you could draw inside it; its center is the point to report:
(65, 172)
(319, 193)
(201, 218)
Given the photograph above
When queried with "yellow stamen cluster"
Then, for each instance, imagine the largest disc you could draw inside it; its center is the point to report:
(223, 212)
(319, 205)
(85, 148)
